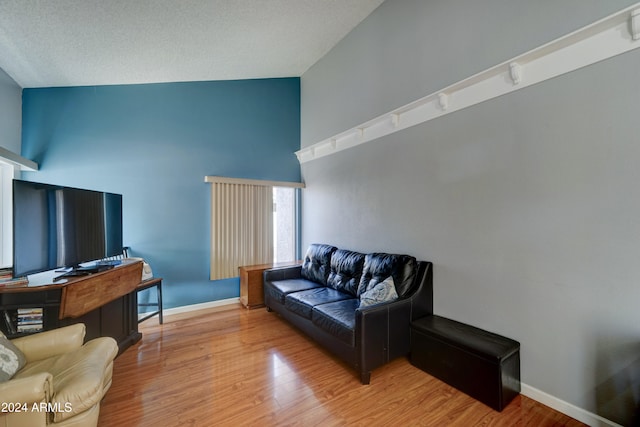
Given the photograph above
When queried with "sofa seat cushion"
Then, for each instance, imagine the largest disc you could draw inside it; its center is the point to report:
(337, 318)
(302, 302)
(80, 377)
(281, 288)
(345, 271)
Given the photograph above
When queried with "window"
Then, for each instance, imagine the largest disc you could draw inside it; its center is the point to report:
(6, 219)
(252, 222)
(10, 166)
(284, 224)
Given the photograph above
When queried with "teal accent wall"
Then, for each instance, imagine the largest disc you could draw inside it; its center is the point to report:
(154, 144)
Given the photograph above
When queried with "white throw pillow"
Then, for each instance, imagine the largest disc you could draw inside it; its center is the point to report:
(384, 291)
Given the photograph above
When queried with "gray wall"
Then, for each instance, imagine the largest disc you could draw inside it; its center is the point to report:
(10, 113)
(527, 204)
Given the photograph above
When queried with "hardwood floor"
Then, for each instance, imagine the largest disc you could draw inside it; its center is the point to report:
(249, 367)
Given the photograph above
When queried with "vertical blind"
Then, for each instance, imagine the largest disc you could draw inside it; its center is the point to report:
(241, 223)
(241, 228)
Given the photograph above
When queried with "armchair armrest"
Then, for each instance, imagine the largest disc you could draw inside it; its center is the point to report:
(51, 343)
(28, 390)
(24, 398)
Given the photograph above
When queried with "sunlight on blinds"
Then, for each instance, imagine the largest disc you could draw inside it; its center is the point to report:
(241, 227)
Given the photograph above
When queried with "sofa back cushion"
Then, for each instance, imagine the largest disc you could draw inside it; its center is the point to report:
(346, 271)
(379, 266)
(317, 262)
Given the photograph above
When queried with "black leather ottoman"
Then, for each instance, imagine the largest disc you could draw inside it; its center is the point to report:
(484, 365)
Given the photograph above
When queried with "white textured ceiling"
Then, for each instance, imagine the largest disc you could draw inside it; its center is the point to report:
(47, 43)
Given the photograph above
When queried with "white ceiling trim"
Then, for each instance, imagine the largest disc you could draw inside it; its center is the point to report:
(606, 38)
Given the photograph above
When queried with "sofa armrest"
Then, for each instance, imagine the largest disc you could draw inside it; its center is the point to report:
(383, 330)
(51, 343)
(283, 273)
(417, 304)
(28, 390)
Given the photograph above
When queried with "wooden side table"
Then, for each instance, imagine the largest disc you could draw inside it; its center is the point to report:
(252, 285)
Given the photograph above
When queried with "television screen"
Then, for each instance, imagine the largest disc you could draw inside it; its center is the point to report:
(56, 226)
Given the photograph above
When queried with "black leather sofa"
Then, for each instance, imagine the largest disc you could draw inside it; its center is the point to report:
(322, 298)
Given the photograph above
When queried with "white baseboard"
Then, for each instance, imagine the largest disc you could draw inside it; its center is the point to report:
(201, 306)
(566, 408)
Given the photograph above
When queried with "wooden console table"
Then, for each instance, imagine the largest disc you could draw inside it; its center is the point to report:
(105, 302)
(252, 285)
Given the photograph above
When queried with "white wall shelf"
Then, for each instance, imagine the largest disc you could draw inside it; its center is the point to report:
(606, 38)
(17, 161)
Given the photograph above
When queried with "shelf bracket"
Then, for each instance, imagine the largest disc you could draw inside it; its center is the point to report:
(443, 101)
(515, 70)
(635, 24)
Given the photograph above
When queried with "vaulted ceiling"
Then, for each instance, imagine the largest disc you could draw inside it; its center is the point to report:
(45, 43)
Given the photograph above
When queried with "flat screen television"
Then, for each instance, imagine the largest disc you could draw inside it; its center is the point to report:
(62, 227)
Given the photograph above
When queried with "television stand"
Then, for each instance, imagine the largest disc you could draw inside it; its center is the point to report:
(105, 302)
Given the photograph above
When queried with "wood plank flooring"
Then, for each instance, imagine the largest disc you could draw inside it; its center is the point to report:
(236, 367)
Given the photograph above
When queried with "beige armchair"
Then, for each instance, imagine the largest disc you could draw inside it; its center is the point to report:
(62, 382)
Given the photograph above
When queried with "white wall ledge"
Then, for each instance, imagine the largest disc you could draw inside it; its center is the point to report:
(606, 38)
(15, 160)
